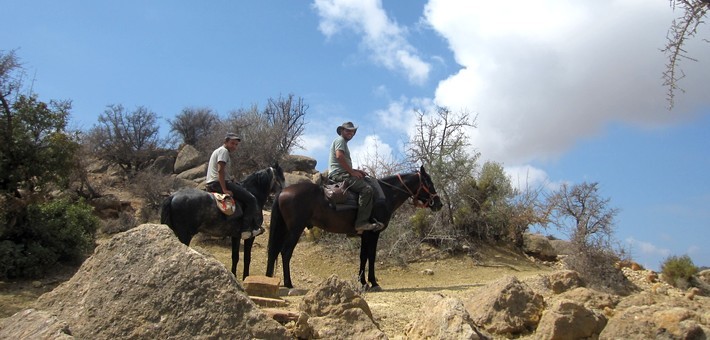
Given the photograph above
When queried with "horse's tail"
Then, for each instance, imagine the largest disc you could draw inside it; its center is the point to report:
(165, 212)
(277, 236)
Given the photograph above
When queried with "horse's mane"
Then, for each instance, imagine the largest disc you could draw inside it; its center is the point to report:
(256, 177)
(393, 178)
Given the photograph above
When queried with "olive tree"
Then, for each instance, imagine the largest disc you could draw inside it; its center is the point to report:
(440, 143)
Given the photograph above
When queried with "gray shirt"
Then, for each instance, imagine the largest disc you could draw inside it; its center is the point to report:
(221, 154)
(335, 169)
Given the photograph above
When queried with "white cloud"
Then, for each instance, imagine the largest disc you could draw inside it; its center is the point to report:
(384, 38)
(372, 148)
(527, 177)
(313, 144)
(543, 74)
(647, 248)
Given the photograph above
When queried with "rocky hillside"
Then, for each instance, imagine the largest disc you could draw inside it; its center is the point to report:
(145, 284)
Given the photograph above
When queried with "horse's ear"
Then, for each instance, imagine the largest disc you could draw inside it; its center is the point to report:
(421, 169)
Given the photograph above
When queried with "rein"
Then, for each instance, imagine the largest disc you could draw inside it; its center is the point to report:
(414, 195)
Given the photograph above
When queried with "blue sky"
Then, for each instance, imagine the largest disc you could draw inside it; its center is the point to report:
(565, 92)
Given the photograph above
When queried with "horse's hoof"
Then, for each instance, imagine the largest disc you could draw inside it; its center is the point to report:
(374, 289)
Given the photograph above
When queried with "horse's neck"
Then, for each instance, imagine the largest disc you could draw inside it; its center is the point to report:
(398, 192)
(254, 184)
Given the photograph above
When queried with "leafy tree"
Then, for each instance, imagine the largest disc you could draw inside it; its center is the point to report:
(192, 124)
(440, 143)
(487, 207)
(127, 139)
(36, 149)
(682, 29)
(36, 154)
(56, 231)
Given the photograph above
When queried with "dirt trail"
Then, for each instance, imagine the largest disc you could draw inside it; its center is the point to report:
(405, 289)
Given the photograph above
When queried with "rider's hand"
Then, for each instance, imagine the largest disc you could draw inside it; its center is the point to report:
(357, 174)
(229, 192)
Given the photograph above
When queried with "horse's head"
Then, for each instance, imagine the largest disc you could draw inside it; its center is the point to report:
(278, 181)
(427, 193)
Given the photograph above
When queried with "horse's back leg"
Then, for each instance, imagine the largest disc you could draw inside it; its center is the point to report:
(286, 253)
(247, 256)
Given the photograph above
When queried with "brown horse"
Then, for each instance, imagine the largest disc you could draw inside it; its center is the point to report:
(303, 204)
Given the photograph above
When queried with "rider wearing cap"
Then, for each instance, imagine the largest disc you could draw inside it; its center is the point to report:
(218, 180)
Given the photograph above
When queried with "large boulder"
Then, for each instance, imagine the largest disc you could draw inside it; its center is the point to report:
(656, 322)
(506, 307)
(164, 164)
(443, 318)
(292, 178)
(567, 319)
(538, 246)
(145, 284)
(195, 174)
(591, 298)
(293, 163)
(334, 310)
(563, 280)
(187, 158)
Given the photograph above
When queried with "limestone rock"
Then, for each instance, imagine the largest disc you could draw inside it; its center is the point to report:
(538, 246)
(198, 172)
(564, 280)
(655, 322)
(443, 318)
(506, 307)
(292, 163)
(145, 284)
(591, 298)
(566, 319)
(187, 158)
(336, 311)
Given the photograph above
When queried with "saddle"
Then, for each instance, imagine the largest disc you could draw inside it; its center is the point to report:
(336, 193)
(340, 198)
(225, 203)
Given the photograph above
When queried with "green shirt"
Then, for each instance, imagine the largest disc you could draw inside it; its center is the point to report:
(339, 143)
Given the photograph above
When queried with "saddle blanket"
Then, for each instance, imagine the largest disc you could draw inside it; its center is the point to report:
(225, 203)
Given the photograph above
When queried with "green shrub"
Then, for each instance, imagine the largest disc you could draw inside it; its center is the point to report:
(677, 270)
(55, 231)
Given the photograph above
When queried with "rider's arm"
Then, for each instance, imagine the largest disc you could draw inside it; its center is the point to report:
(221, 179)
(340, 157)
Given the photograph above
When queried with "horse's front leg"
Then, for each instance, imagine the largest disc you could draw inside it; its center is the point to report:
(247, 256)
(371, 254)
(235, 254)
(364, 241)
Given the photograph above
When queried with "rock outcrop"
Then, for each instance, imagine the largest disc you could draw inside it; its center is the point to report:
(443, 318)
(334, 310)
(145, 284)
(506, 307)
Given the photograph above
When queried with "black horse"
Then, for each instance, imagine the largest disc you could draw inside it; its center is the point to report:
(303, 204)
(190, 211)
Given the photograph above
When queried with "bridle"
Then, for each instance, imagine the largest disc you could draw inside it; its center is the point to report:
(272, 172)
(416, 201)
